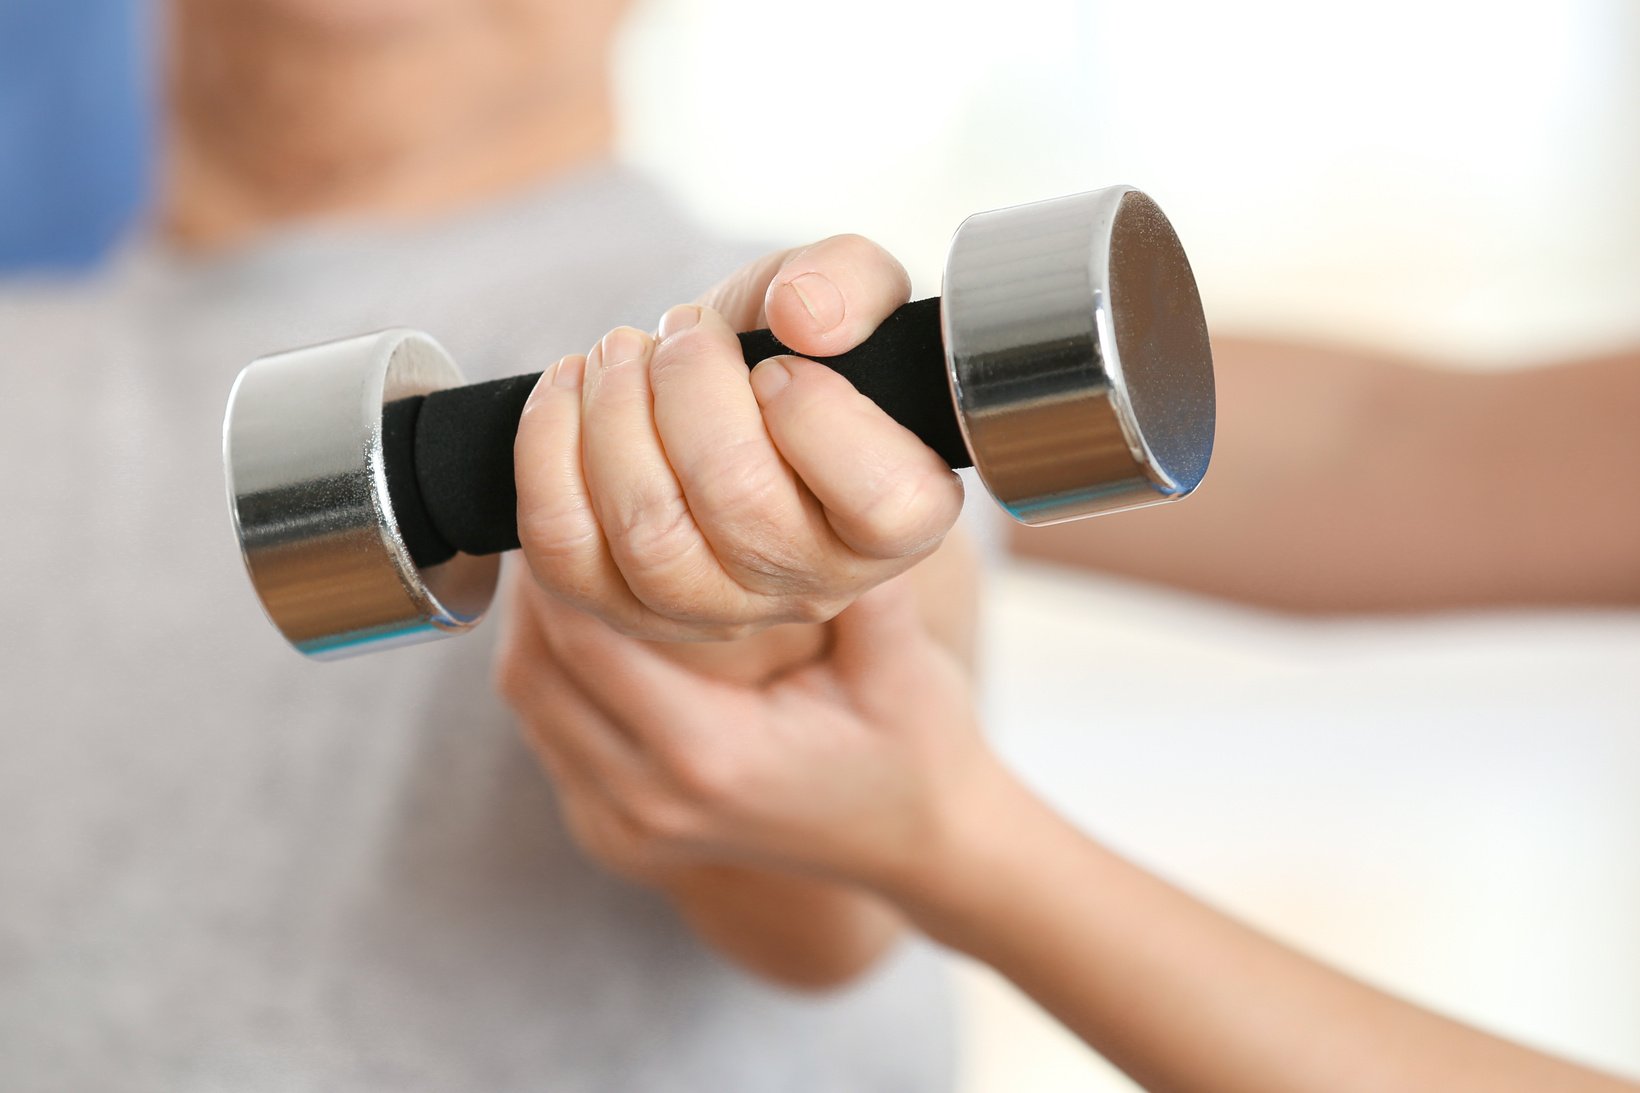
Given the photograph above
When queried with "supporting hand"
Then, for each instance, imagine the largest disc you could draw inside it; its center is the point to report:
(848, 766)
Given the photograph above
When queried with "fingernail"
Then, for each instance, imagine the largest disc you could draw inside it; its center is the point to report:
(568, 372)
(769, 378)
(679, 319)
(819, 298)
(624, 344)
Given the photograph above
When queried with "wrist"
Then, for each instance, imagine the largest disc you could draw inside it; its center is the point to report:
(979, 839)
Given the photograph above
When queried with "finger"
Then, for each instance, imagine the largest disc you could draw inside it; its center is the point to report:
(604, 782)
(662, 705)
(827, 298)
(594, 818)
(660, 552)
(885, 492)
(557, 525)
(883, 622)
(765, 529)
(524, 678)
(883, 651)
(565, 777)
(579, 741)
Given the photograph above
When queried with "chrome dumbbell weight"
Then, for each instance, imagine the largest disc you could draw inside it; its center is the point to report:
(1067, 360)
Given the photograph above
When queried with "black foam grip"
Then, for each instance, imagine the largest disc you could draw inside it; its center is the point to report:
(449, 455)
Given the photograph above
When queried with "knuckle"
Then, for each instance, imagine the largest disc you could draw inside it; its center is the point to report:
(685, 350)
(743, 491)
(668, 565)
(656, 532)
(555, 536)
(905, 514)
(704, 775)
(682, 594)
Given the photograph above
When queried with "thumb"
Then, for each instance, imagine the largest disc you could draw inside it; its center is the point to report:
(879, 630)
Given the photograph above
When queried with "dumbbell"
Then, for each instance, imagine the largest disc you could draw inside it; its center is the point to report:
(1067, 361)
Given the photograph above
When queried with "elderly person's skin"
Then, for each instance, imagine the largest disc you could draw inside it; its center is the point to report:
(676, 497)
(869, 768)
(665, 490)
(661, 488)
(294, 109)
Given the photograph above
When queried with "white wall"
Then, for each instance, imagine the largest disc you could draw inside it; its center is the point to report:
(1458, 178)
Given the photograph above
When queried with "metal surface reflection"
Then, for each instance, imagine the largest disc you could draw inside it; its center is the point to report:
(1079, 355)
(308, 490)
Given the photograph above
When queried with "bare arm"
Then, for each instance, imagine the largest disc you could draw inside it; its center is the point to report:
(1344, 482)
(1178, 996)
(869, 768)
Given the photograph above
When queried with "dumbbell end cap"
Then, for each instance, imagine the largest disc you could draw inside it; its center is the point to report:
(1078, 356)
(307, 487)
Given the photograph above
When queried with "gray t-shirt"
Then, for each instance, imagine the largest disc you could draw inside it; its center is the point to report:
(223, 867)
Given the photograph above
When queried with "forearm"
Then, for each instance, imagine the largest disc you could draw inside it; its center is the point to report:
(1180, 997)
(1342, 482)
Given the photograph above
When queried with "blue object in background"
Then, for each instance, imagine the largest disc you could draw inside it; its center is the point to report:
(75, 123)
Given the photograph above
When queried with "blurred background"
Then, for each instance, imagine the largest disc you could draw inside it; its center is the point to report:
(1446, 806)
(76, 123)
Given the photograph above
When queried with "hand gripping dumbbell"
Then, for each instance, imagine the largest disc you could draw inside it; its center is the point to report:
(1067, 361)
